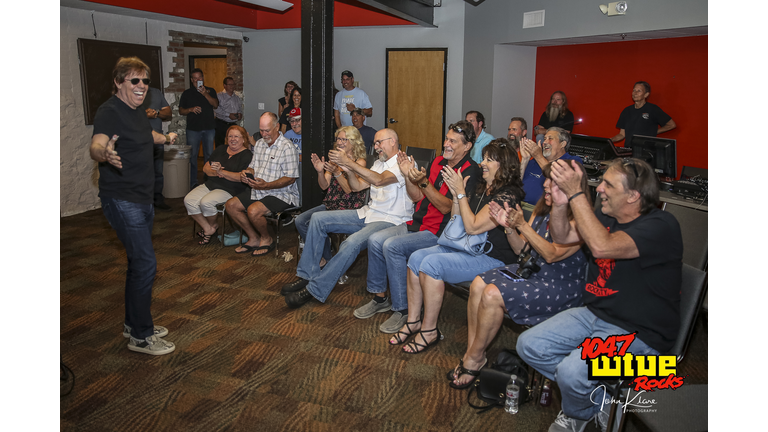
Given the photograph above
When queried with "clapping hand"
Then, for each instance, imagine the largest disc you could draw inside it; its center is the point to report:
(417, 176)
(529, 148)
(498, 213)
(515, 217)
(405, 162)
(318, 163)
(566, 177)
(454, 181)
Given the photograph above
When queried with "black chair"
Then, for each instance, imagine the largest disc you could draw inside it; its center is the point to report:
(280, 218)
(688, 172)
(422, 156)
(693, 225)
(222, 212)
(692, 292)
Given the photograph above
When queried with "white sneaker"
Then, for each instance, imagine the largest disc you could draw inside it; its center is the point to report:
(160, 331)
(563, 423)
(152, 345)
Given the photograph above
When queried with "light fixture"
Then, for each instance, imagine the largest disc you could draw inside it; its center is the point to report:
(615, 8)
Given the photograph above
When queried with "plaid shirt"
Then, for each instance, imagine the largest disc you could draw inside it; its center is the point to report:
(270, 163)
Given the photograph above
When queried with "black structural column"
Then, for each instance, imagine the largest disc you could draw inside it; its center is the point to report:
(317, 92)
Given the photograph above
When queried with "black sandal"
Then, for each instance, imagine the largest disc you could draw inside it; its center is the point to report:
(401, 341)
(422, 347)
(465, 371)
(206, 239)
(451, 375)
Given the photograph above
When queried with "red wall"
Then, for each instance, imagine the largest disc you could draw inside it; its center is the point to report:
(598, 81)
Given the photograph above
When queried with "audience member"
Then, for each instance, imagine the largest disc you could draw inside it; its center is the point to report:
(158, 111)
(633, 281)
(228, 113)
(287, 90)
(334, 180)
(528, 299)
(517, 130)
(367, 132)
(125, 189)
(348, 99)
(295, 102)
(556, 114)
(533, 156)
(389, 205)
(430, 268)
(223, 170)
(642, 118)
(271, 176)
(198, 103)
(389, 249)
(482, 138)
(294, 135)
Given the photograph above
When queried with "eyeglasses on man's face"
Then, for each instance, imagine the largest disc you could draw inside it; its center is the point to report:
(135, 81)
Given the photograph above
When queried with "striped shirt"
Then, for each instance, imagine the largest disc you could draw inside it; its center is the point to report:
(228, 105)
(270, 163)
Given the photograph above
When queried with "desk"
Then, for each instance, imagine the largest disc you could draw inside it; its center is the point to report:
(665, 197)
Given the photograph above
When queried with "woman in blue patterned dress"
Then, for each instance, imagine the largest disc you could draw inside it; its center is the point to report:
(555, 287)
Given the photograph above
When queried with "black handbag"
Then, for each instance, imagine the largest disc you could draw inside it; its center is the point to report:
(491, 385)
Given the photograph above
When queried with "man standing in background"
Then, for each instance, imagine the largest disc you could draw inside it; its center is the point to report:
(348, 100)
(230, 110)
(198, 103)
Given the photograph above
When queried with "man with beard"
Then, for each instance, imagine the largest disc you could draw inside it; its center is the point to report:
(642, 118)
(517, 130)
(556, 114)
(389, 206)
(533, 156)
(273, 172)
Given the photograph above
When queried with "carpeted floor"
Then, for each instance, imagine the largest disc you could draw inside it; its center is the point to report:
(244, 361)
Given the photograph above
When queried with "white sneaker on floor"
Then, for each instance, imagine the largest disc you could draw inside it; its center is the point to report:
(563, 423)
(160, 331)
(152, 345)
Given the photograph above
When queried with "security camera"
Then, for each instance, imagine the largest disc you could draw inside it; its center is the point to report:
(615, 8)
(246, 38)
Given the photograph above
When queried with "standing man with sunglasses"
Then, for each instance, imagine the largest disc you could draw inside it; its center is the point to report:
(198, 103)
(633, 282)
(122, 143)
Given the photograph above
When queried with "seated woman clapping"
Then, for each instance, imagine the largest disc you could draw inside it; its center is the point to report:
(223, 171)
(430, 268)
(528, 295)
(332, 179)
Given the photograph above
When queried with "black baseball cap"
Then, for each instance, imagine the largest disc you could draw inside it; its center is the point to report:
(347, 73)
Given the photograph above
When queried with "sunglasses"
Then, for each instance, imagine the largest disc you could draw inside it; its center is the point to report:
(135, 81)
(630, 162)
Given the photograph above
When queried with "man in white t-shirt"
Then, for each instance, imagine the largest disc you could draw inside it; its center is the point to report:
(348, 99)
(389, 206)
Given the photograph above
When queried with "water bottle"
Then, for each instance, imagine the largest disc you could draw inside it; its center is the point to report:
(546, 394)
(513, 394)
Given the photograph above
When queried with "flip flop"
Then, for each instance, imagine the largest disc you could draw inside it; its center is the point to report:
(465, 371)
(268, 249)
(247, 249)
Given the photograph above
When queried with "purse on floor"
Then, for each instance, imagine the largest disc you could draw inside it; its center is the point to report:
(232, 239)
(455, 236)
(491, 385)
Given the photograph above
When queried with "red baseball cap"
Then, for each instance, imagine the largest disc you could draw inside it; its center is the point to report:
(295, 113)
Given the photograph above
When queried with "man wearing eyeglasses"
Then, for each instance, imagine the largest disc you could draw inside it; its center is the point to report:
(534, 156)
(389, 249)
(389, 206)
(294, 135)
(229, 111)
(367, 132)
(198, 103)
(349, 99)
(633, 281)
(272, 178)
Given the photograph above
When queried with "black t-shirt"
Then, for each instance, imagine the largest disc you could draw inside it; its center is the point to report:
(643, 121)
(236, 163)
(565, 122)
(642, 294)
(205, 120)
(426, 217)
(134, 182)
(501, 251)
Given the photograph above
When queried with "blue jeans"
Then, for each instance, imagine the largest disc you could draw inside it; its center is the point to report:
(550, 348)
(388, 253)
(302, 226)
(449, 265)
(335, 221)
(193, 139)
(133, 224)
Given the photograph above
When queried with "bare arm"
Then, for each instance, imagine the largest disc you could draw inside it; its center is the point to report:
(620, 136)
(165, 114)
(367, 176)
(213, 100)
(667, 127)
(337, 118)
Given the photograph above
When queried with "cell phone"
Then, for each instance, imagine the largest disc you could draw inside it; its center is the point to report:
(250, 176)
(199, 84)
(513, 276)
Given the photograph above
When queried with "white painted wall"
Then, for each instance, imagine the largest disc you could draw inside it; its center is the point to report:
(514, 79)
(361, 50)
(78, 173)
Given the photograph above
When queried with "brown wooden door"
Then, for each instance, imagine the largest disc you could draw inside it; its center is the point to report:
(416, 96)
(214, 69)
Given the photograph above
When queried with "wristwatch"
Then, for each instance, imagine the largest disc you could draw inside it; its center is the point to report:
(424, 185)
(460, 196)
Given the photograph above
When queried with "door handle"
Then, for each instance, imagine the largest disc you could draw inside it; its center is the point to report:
(392, 120)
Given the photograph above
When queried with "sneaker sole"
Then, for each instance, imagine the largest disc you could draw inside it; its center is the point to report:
(368, 316)
(155, 353)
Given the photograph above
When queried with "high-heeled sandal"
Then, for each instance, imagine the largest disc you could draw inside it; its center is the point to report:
(465, 371)
(405, 337)
(206, 239)
(417, 348)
